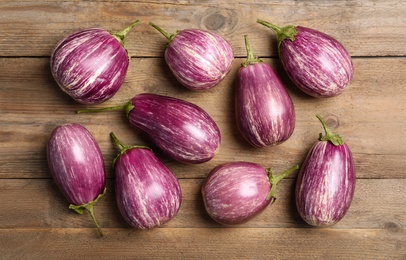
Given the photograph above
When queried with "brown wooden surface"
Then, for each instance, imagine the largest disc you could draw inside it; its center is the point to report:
(35, 222)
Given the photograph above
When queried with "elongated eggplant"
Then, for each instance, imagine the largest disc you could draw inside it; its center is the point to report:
(317, 63)
(148, 194)
(326, 182)
(235, 192)
(199, 59)
(182, 130)
(77, 167)
(264, 110)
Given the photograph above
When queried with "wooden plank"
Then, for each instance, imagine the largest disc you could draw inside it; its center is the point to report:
(33, 204)
(197, 243)
(366, 28)
(368, 115)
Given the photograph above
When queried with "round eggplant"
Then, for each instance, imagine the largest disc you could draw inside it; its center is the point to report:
(76, 164)
(264, 110)
(199, 59)
(148, 194)
(317, 63)
(326, 182)
(90, 65)
(182, 130)
(235, 192)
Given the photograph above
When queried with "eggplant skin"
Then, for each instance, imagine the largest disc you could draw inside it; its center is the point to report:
(182, 130)
(89, 65)
(317, 63)
(76, 163)
(325, 184)
(235, 192)
(264, 110)
(147, 193)
(199, 59)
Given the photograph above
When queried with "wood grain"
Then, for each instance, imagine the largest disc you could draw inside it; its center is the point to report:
(35, 222)
(32, 28)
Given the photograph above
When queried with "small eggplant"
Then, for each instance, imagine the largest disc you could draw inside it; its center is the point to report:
(90, 65)
(235, 192)
(326, 182)
(182, 130)
(317, 63)
(148, 194)
(76, 164)
(264, 110)
(199, 59)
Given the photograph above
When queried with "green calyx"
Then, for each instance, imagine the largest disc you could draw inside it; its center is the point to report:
(282, 33)
(168, 36)
(329, 136)
(127, 107)
(274, 180)
(89, 207)
(124, 148)
(251, 59)
(120, 35)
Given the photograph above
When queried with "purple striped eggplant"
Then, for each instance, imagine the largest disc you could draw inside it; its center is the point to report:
(264, 110)
(199, 59)
(76, 164)
(148, 194)
(317, 63)
(90, 65)
(326, 182)
(235, 192)
(182, 130)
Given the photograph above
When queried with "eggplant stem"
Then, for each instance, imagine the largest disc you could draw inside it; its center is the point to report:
(89, 207)
(120, 35)
(329, 136)
(251, 59)
(117, 142)
(159, 29)
(124, 148)
(127, 107)
(282, 33)
(274, 180)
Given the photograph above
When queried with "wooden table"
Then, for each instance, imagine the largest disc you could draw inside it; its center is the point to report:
(35, 222)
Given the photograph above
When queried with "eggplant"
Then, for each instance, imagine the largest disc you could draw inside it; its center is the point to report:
(326, 182)
(77, 167)
(235, 192)
(90, 65)
(317, 63)
(265, 112)
(148, 194)
(182, 130)
(198, 59)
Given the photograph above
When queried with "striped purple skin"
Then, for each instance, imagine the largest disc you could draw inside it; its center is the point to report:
(89, 65)
(325, 184)
(76, 163)
(235, 192)
(317, 63)
(264, 110)
(199, 59)
(182, 130)
(148, 194)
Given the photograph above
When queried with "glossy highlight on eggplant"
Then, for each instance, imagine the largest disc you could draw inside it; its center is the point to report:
(317, 63)
(77, 167)
(235, 192)
(265, 112)
(148, 194)
(199, 59)
(326, 182)
(90, 65)
(182, 130)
